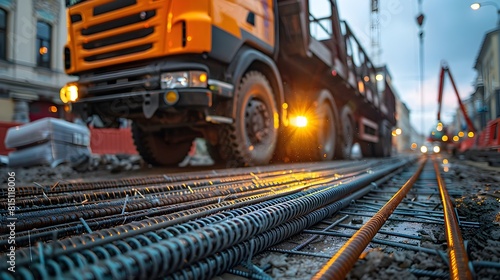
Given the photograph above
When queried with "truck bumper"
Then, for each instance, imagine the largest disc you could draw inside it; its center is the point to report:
(150, 101)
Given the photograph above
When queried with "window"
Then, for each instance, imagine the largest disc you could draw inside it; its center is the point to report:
(3, 34)
(43, 44)
(320, 22)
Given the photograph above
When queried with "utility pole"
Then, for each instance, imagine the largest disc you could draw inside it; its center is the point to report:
(375, 31)
(420, 22)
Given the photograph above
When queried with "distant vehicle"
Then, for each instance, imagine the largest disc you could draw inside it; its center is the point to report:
(259, 80)
(431, 148)
(484, 146)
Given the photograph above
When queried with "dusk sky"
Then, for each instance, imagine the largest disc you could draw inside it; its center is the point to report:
(452, 32)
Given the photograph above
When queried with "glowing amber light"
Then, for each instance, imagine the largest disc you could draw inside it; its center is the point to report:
(444, 138)
(203, 77)
(171, 97)
(361, 86)
(461, 134)
(53, 109)
(69, 93)
(470, 134)
(300, 121)
(456, 138)
(43, 50)
(445, 161)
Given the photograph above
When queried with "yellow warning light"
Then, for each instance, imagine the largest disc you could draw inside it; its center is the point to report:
(53, 109)
(69, 93)
(461, 134)
(203, 77)
(470, 134)
(456, 138)
(444, 138)
(171, 97)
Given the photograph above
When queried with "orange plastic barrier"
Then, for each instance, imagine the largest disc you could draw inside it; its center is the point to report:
(112, 141)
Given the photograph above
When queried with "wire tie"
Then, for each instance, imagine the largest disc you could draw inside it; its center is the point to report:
(255, 176)
(29, 242)
(85, 225)
(40, 253)
(374, 184)
(44, 195)
(55, 185)
(187, 186)
(140, 194)
(125, 204)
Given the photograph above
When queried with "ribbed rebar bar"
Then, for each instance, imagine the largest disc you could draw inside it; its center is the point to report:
(459, 261)
(343, 261)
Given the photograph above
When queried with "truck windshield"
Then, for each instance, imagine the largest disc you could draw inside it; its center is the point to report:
(70, 3)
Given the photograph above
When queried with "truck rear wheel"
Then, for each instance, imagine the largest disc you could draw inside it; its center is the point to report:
(251, 139)
(344, 147)
(384, 146)
(326, 134)
(155, 150)
(317, 142)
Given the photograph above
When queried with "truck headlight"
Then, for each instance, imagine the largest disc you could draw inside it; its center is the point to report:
(183, 79)
(69, 93)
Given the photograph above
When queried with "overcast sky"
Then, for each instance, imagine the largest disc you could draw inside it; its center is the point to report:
(452, 32)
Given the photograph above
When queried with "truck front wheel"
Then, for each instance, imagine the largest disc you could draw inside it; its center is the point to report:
(155, 150)
(251, 139)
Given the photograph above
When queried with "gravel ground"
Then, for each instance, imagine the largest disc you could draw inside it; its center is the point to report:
(480, 203)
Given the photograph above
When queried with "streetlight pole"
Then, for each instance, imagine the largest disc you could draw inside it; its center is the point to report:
(477, 5)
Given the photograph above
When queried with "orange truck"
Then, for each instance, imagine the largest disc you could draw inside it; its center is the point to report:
(260, 80)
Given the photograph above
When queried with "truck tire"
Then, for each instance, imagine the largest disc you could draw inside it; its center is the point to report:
(384, 146)
(155, 150)
(251, 139)
(344, 147)
(326, 135)
(319, 143)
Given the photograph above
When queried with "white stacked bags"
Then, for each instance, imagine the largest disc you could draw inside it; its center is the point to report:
(47, 141)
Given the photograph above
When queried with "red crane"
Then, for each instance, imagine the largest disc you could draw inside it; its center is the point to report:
(446, 69)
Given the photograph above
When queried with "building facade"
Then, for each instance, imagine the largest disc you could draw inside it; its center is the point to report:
(402, 132)
(32, 36)
(485, 101)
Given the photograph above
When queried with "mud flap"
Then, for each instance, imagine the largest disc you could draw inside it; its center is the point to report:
(150, 104)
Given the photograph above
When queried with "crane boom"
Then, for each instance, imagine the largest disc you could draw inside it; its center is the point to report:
(445, 69)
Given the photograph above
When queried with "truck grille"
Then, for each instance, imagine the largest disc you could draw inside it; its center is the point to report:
(112, 6)
(137, 34)
(118, 53)
(128, 20)
(112, 32)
